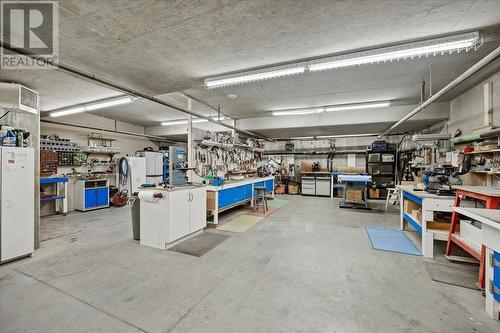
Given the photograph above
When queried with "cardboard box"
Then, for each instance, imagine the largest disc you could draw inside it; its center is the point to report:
(354, 195)
(280, 189)
(410, 206)
(293, 189)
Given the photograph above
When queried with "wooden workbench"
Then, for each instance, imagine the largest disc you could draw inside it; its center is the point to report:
(491, 197)
(428, 203)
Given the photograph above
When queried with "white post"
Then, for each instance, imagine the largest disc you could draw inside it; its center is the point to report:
(190, 142)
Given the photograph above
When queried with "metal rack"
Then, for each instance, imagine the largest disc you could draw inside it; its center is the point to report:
(381, 165)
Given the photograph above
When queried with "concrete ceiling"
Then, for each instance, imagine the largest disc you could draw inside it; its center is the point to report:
(160, 47)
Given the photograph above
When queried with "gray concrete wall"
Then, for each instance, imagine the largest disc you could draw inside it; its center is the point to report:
(467, 110)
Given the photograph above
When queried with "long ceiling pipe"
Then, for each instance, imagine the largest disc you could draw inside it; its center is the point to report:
(119, 87)
(147, 136)
(480, 64)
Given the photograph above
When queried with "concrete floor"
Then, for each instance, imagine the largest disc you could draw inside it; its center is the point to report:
(309, 267)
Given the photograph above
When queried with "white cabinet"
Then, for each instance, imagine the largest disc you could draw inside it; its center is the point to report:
(323, 186)
(179, 213)
(17, 198)
(308, 186)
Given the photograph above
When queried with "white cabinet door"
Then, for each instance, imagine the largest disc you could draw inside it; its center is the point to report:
(198, 209)
(178, 215)
(158, 164)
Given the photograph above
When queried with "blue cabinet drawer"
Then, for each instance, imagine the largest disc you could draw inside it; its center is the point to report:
(231, 196)
(496, 275)
(259, 184)
(247, 192)
(269, 185)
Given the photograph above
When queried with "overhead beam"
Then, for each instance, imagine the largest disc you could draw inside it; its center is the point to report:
(119, 87)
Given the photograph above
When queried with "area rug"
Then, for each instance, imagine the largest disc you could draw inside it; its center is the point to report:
(240, 224)
(278, 203)
(199, 245)
(259, 212)
(391, 239)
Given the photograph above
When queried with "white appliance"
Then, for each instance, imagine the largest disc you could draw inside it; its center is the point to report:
(17, 203)
(180, 212)
(16, 96)
(136, 174)
(154, 166)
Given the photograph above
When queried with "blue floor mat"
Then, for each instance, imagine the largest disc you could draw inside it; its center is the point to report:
(391, 239)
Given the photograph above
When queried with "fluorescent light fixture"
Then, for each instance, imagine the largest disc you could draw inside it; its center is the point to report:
(405, 51)
(185, 121)
(294, 112)
(302, 138)
(450, 44)
(252, 76)
(330, 108)
(93, 106)
(346, 136)
(360, 106)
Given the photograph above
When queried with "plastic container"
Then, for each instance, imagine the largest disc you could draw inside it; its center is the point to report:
(9, 139)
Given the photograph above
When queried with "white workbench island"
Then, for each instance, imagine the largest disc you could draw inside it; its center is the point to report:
(179, 212)
(490, 238)
(428, 203)
(234, 193)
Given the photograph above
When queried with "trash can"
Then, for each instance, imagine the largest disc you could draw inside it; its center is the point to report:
(135, 209)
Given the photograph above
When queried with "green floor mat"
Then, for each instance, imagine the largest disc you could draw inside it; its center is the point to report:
(240, 224)
(278, 203)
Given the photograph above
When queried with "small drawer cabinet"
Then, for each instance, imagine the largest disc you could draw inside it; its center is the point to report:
(91, 194)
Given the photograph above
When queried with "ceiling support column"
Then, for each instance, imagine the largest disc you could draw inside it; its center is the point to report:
(190, 155)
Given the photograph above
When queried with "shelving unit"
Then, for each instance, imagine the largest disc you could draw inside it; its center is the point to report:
(382, 167)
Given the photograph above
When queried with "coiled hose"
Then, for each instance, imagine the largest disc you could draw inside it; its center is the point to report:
(123, 171)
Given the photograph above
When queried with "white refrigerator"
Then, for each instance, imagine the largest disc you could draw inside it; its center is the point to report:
(154, 166)
(17, 203)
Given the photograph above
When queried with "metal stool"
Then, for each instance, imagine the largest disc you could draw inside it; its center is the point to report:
(259, 194)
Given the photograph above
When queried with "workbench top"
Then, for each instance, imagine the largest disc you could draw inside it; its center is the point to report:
(490, 217)
(422, 193)
(173, 189)
(236, 183)
(483, 190)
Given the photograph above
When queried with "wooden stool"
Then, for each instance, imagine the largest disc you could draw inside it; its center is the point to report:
(259, 194)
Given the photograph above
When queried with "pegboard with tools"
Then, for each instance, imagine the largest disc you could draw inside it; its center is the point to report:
(222, 158)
